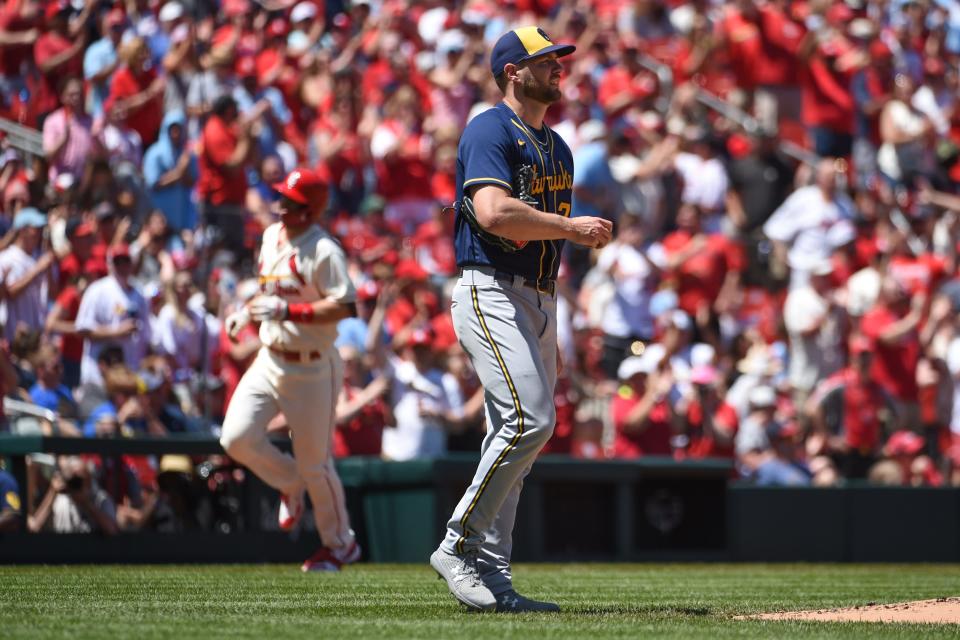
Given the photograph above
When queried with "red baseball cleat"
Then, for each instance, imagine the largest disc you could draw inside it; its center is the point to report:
(327, 559)
(291, 508)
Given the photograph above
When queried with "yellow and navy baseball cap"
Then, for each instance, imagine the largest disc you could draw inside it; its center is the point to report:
(522, 44)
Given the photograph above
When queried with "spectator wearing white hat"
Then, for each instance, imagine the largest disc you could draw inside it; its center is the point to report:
(169, 17)
(815, 325)
(113, 312)
(641, 412)
(752, 435)
(25, 279)
(423, 397)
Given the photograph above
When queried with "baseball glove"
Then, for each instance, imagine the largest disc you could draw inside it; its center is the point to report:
(522, 181)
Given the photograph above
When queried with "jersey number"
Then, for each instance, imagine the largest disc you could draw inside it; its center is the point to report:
(564, 209)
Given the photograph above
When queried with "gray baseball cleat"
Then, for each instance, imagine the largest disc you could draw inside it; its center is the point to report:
(513, 602)
(463, 579)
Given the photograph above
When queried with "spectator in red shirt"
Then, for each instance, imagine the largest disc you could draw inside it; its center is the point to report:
(237, 355)
(892, 327)
(624, 85)
(59, 52)
(18, 33)
(827, 93)
(225, 146)
(711, 422)
(762, 43)
(850, 412)
(707, 267)
(362, 410)
(61, 320)
(917, 470)
(403, 162)
(919, 274)
(137, 90)
(641, 413)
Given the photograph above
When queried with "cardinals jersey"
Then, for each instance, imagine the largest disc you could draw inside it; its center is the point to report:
(308, 268)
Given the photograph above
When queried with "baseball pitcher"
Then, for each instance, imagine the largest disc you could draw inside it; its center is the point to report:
(514, 191)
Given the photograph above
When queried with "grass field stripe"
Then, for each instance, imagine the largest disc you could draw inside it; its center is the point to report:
(488, 179)
(516, 404)
(543, 198)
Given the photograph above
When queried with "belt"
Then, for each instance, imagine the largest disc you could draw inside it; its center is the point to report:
(295, 356)
(544, 285)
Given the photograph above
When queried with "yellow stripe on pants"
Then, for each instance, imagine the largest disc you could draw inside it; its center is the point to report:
(516, 404)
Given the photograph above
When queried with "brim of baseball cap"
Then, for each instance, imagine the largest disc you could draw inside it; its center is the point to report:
(286, 192)
(560, 49)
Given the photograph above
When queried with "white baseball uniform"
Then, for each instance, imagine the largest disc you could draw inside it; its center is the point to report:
(303, 381)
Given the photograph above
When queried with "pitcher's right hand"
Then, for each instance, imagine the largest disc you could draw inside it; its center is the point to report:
(591, 232)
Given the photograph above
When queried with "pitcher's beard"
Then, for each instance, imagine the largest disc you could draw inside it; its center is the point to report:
(543, 93)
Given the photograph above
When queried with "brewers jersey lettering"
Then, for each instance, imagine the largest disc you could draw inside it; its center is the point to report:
(494, 146)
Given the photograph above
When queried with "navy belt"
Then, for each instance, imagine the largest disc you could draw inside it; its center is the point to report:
(544, 285)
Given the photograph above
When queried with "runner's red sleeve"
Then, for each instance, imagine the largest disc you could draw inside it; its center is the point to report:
(300, 312)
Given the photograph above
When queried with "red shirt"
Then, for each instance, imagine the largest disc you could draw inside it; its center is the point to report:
(219, 184)
(700, 278)
(12, 58)
(762, 52)
(363, 435)
(702, 444)
(146, 119)
(231, 370)
(617, 81)
(562, 440)
(894, 366)
(827, 97)
(920, 274)
(654, 440)
(248, 43)
(760, 310)
(48, 45)
(863, 400)
(71, 346)
(406, 173)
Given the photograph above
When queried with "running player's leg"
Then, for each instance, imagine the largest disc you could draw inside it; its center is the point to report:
(504, 347)
(244, 434)
(494, 561)
(309, 400)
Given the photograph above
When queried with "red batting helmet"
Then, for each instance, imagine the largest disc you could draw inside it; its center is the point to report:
(306, 187)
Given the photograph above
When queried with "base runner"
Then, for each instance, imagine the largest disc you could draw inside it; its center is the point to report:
(304, 291)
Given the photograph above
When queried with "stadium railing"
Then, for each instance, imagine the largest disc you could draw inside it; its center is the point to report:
(652, 509)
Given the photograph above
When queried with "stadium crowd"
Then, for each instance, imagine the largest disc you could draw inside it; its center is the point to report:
(798, 317)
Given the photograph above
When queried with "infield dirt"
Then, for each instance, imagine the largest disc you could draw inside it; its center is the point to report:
(938, 611)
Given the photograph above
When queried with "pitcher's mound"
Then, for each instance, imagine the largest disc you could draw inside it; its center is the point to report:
(939, 611)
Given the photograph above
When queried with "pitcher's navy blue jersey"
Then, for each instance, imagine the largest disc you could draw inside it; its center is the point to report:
(494, 146)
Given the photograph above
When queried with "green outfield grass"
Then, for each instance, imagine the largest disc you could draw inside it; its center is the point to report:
(406, 601)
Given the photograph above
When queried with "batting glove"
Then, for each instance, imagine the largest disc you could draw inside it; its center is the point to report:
(268, 308)
(236, 321)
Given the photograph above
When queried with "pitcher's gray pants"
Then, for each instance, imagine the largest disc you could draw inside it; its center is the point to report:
(510, 333)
